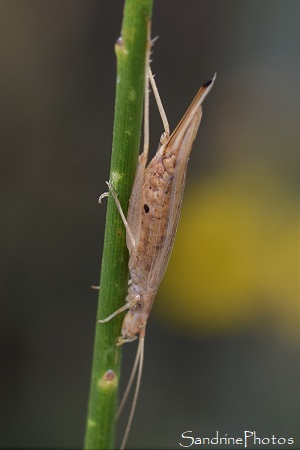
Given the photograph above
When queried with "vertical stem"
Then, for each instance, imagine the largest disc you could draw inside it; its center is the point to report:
(130, 51)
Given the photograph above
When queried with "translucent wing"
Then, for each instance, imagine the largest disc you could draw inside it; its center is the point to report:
(163, 189)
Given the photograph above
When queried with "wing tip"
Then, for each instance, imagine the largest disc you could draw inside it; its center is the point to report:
(210, 81)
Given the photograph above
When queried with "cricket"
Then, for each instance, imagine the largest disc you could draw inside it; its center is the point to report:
(152, 220)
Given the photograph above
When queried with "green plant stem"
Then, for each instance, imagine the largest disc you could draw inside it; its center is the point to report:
(130, 52)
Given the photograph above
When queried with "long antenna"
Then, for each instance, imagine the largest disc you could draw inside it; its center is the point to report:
(129, 384)
(137, 387)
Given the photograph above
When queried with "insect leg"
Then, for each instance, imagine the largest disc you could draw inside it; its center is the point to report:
(159, 104)
(105, 194)
(123, 308)
(134, 215)
(117, 202)
(134, 299)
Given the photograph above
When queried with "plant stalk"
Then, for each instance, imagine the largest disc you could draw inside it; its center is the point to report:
(130, 52)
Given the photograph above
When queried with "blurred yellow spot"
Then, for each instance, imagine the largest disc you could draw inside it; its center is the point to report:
(235, 261)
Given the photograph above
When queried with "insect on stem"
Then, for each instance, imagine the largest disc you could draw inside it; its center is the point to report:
(152, 220)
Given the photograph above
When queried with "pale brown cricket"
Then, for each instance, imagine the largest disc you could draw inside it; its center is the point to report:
(152, 220)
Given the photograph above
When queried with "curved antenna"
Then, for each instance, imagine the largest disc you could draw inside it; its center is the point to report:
(137, 387)
(129, 384)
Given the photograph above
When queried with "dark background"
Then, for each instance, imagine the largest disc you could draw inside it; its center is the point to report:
(222, 348)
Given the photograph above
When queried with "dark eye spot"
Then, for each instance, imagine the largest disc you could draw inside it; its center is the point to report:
(146, 208)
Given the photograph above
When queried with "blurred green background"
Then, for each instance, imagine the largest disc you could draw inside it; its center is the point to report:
(222, 348)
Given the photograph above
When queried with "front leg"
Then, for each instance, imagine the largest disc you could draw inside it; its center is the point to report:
(118, 205)
(132, 300)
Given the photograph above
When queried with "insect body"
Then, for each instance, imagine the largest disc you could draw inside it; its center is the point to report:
(154, 212)
(152, 219)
